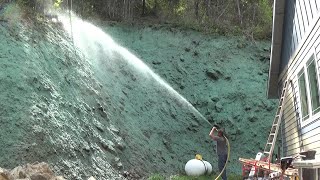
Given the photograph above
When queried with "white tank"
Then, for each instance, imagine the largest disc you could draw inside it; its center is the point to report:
(195, 167)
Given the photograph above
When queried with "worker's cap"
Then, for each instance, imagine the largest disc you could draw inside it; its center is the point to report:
(217, 126)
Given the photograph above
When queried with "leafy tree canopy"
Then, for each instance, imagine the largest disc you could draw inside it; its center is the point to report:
(252, 18)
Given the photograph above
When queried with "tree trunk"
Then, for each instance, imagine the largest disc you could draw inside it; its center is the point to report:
(254, 13)
(208, 7)
(143, 7)
(223, 11)
(124, 6)
(129, 10)
(155, 7)
(196, 9)
(239, 11)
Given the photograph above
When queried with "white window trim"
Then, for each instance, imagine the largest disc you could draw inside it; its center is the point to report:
(299, 94)
(303, 65)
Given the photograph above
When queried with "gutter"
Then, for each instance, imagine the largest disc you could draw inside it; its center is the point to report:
(276, 45)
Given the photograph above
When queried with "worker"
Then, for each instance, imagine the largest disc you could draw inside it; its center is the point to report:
(221, 148)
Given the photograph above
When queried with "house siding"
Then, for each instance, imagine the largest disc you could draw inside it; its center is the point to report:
(292, 132)
(299, 17)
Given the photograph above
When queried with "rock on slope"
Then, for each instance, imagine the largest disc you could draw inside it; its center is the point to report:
(38, 171)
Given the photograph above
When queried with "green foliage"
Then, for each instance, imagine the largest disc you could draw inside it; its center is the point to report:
(235, 177)
(180, 9)
(156, 177)
(262, 28)
(36, 6)
(26, 3)
(57, 4)
(185, 177)
(192, 178)
(251, 18)
(266, 11)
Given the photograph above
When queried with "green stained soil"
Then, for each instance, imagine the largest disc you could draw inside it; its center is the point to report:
(97, 111)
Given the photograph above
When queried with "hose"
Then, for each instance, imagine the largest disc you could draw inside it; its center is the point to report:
(228, 156)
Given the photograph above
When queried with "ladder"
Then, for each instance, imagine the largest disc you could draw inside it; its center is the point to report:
(268, 150)
(296, 109)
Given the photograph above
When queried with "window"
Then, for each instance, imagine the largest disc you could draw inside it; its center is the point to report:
(303, 95)
(309, 89)
(313, 83)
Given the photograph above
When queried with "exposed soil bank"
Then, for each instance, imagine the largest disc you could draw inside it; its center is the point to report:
(105, 114)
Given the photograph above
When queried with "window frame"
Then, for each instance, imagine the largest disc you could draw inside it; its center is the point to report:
(303, 73)
(304, 67)
(313, 112)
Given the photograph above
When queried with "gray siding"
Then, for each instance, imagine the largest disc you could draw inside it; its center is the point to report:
(292, 133)
(300, 15)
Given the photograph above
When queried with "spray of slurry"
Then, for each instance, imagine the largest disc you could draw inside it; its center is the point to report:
(91, 41)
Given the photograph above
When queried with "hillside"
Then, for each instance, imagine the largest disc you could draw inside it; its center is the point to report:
(75, 97)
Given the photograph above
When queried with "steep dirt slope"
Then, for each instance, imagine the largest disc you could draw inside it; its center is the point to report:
(225, 78)
(90, 107)
(96, 115)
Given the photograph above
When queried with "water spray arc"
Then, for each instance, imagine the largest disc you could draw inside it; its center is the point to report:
(70, 16)
(82, 33)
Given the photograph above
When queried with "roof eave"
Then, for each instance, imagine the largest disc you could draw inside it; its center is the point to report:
(276, 45)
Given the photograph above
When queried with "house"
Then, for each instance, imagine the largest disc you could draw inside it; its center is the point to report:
(295, 59)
